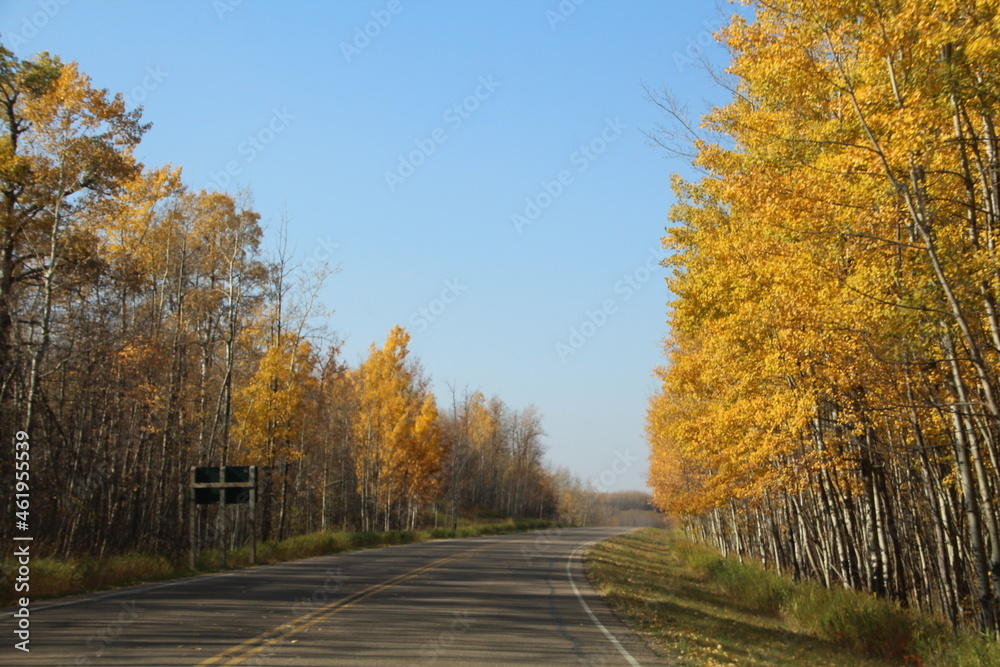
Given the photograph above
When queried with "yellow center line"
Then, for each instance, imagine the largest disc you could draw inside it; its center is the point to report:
(237, 654)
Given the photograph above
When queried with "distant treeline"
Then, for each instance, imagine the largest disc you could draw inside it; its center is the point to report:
(581, 505)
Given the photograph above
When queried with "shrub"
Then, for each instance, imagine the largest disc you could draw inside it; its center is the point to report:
(872, 627)
(51, 576)
(941, 648)
(127, 569)
(751, 586)
(363, 539)
(441, 533)
(696, 557)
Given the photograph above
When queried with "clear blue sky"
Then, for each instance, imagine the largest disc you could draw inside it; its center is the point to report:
(403, 155)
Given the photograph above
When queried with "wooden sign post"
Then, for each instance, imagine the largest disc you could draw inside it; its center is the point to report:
(223, 485)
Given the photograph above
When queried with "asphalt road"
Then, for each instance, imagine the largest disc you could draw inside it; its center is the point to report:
(513, 599)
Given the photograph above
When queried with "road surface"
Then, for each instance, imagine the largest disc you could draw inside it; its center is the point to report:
(513, 599)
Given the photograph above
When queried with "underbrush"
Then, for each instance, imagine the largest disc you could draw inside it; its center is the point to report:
(867, 625)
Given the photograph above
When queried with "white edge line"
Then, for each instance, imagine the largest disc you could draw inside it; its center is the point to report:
(569, 575)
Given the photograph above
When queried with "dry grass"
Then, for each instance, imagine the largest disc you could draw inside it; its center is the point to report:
(701, 609)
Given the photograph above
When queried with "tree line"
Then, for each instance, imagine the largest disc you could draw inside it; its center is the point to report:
(146, 328)
(831, 401)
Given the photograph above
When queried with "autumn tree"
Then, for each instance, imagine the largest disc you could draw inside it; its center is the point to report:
(65, 146)
(396, 439)
(830, 400)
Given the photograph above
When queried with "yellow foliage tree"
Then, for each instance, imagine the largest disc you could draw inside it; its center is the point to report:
(272, 408)
(836, 338)
(397, 443)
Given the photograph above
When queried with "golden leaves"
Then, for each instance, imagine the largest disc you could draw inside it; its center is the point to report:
(397, 437)
(801, 275)
(273, 407)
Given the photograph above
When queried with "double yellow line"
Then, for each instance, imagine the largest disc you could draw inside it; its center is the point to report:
(262, 642)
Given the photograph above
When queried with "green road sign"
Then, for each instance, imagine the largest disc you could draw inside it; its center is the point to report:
(210, 475)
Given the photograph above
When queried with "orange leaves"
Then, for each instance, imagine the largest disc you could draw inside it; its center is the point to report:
(272, 409)
(483, 423)
(860, 136)
(132, 230)
(396, 434)
(65, 150)
(136, 364)
(78, 138)
(420, 465)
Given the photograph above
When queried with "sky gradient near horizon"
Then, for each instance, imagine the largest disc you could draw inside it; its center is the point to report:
(479, 172)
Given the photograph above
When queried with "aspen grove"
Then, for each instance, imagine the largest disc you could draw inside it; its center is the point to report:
(831, 401)
(146, 328)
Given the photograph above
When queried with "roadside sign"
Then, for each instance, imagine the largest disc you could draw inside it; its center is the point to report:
(209, 475)
(222, 486)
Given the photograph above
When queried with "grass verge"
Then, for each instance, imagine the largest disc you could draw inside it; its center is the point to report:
(57, 577)
(702, 609)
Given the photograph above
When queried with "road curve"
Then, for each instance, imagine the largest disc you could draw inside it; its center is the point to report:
(513, 599)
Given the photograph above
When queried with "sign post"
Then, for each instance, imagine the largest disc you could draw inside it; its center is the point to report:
(224, 485)
(222, 517)
(253, 515)
(193, 528)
